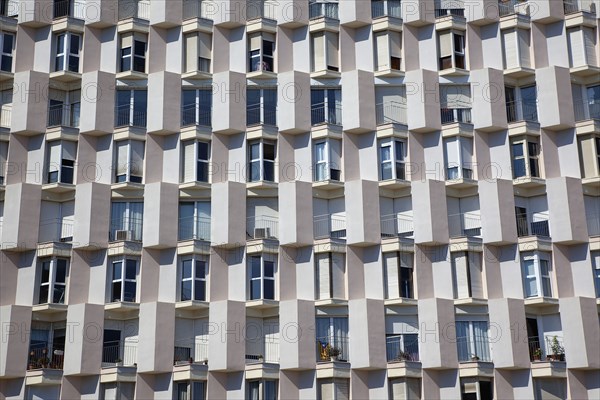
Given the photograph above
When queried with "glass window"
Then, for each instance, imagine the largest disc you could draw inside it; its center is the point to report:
(53, 281)
(193, 279)
(194, 220)
(262, 278)
(261, 161)
(6, 60)
(124, 280)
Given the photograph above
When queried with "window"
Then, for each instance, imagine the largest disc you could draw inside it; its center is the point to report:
(196, 108)
(593, 102)
(46, 347)
(124, 280)
(325, 51)
(262, 277)
(264, 389)
(326, 106)
(398, 275)
(401, 338)
(476, 389)
(193, 279)
(404, 389)
(3, 161)
(451, 50)
(327, 160)
(67, 52)
(190, 390)
(581, 43)
(117, 391)
(129, 160)
(53, 281)
(391, 158)
(195, 162)
(261, 51)
(525, 156)
(60, 167)
(472, 341)
(467, 278)
(388, 50)
(7, 40)
(261, 107)
(455, 103)
(126, 221)
(536, 274)
(331, 276)
(596, 269)
(198, 52)
(550, 388)
(458, 155)
(64, 108)
(332, 332)
(194, 220)
(131, 108)
(133, 52)
(333, 389)
(261, 161)
(516, 45)
(521, 103)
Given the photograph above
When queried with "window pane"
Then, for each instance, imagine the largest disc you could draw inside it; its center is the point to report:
(186, 269)
(43, 297)
(203, 152)
(255, 151)
(517, 150)
(519, 168)
(200, 291)
(58, 296)
(131, 269)
(198, 391)
(255, 289)
(73, 64)
(116, 291)
(6, 63)
(7, 44)
(186, 290)
(269, 151)
(130, 289)
(270, 390)
(74, 47)
(60, 44)
(202, 172)
(399, 151)
(140, 48)
(200, 269)
(255, 264)
(386, 153)
(386, 171)
(45, 272)
(269, 269)
(61, 271)
(254, 171)
(117, 270)
(269, 289)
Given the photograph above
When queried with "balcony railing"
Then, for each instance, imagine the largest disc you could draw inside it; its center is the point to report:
(573, 6)
(64, 115)
(394, 225)
(194, 228)
(593, 225)
(507, 7)
(322, 114)
(268, 353)
(56, 230)
(457, 172)
(127, 115)
(537, 227)
(190, 349)
(390, 112)
(9, 8)
(329, 226)
(134, 9)
(192, 115)
(69, 8)
(521, 111)
(126, 229)
(119, 353)
(442, 12)
(40, 357)
(323, 10)
(464, 225)
(402, 348)
(333, 348)
(258, 115)
(452, 115)
(386, 8)
(262, 227)
(5, 117)
(473, 349)
(585, 110)
(198, 9)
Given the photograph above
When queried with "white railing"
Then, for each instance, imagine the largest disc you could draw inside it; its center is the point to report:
(5, 117)
(119, 353)
(394, 225)
(190, 350)
(55, 230)
(464, 225)
(507, 7)
(262, 227)
(329, 226)
(390, 112)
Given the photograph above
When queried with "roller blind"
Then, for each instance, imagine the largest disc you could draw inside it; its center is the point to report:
(54, 156)
(69, 150)
(509, 40)
(57, 95)
(387, 94)
(445, 40)
(3, 157)
(342, 389)
(188, 162)
(466, 151)
(406, 260)
(476, 275)
(451, 150)
(126, 40)
(332, 49)
(551, 389)
(400, 324)
(337, 276)
(137, 157)
(413, 388)
(398, 389)
(323, 268)
(459, 262)
(589, 40)
(455, 96)
(576, 49)
(336, 154)
(391, 265)
(395, 44)
(524, 47)
(326, 388)
(318, 44)
(255, 40)
(68, 218)
(122, 149)
(191, 52)
(74, 96)
(205, 43)
(381, 45)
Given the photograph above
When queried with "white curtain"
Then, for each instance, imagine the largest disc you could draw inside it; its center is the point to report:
(136, 214)
(462, 340)
(480, 333)
(118, 214)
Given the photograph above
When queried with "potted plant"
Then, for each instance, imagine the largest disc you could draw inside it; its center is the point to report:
(558, 351)
(537, 354)
(334, 353)
(43, 362)
(119, 362)
(191, 360)
(474, 357)
(403, 356)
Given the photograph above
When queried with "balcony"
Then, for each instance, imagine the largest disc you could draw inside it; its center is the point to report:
(537, 227)
(190, 350)
(130, 116)
(402, 348)
(473, 349)
(194, 228)
(138, 9)
(574, 6)
(120, 353)
(5, 117)
(268, 351)
(69, 8)
(56, 230)
(390, 112)
(333, 348)
(551, 349)
(329, 226)
(326, 114)
(593, 225)
(196, 9)
(519, 110)
(443, 12)
(394, 225)
(257, 115)
(386, 8)
(508, 7)
(455, 115)
(126, 229)
(585, 110)
(40, 357)
(262, 227)
(464, 225)
(192, 115)
(318, 10)
(9, 8)
(63, 115)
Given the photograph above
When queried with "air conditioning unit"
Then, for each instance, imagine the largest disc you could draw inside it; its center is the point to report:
(124, 235)
(262, 233)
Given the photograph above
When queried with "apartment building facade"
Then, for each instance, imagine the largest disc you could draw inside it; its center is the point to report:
(294, 199)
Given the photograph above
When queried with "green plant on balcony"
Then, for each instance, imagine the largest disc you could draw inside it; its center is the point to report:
(537, 354)
(558, 351)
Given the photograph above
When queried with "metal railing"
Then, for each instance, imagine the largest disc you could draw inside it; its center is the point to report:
(333, 348)
(507, 7)
(464, 225)
(269, 352)
(386, 8)
(394, 225)
(537, 227)
(196, 9)
(329, 226)
(593, 224)
(40, 357)
(323, 10)
(64, 115)
(442, 12)
(586, 109)
(62, 8)
(521, 111)
(128, 115)
(473, 349)
(56, 230)
(260, 115)
(192, 115)
(322, 114)
(190, 350)
(391, 112)
(535, 350)
(126, 229)
(196, 228)
(134, 9)
(402, 348)
(262, 227)
(5, 117)
(119, 352)
(452, 115)
(573, 6)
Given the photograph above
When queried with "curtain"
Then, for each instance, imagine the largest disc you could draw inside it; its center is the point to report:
(480, 333)
(136, 215)
(118, 216)
(340, 331)
(137, 158)
(462, 341)
(391, 275)
(253, 390)
(337, 276)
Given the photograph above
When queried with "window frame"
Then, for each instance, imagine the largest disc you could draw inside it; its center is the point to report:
(539, 277)
(196, 234)
(129, 56)
(4, 55)
(393, 61)
(66, 167)
(262, 161)
(394, 160)
(191, 389)
(123, 279)
(51, 283)
(456, 53)
(129, 177)
(258, 57)
(323, 168)
(196, 263)
(262, 395)
(128, 220)
(200, 165)
(132, 105)
(262, 278)
(529, 157)
(68, 55)
(404, 286)
(595, 256)
(267, 106)
(201, 116)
